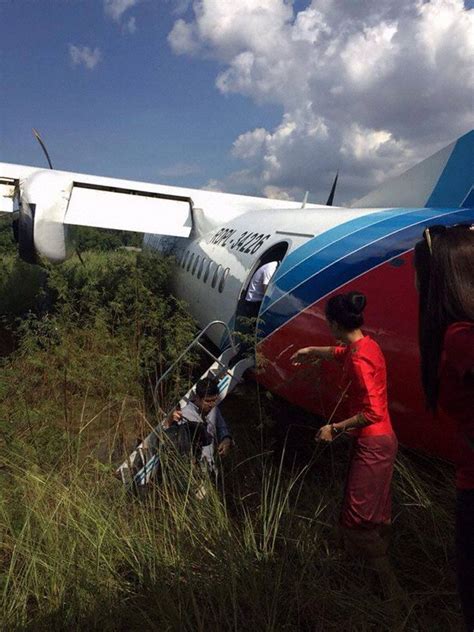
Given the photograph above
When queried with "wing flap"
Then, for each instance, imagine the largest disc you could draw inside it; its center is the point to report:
(128, 209)
(7, 194)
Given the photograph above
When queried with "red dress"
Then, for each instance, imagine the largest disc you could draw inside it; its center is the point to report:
(456, 395)
(367, 501)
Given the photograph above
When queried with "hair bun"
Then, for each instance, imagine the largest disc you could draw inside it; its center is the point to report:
(357, 301)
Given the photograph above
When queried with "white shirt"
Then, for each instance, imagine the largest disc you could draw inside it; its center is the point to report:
(259, 281)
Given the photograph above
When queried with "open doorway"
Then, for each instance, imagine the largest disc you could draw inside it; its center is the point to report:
(254, 288)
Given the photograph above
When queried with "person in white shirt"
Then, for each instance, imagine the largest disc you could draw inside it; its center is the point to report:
(250, 306)
(257, 288)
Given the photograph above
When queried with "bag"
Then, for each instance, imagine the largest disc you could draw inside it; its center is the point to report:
(188, 438)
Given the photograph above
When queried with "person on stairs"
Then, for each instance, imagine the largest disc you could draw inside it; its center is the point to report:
(208, 425)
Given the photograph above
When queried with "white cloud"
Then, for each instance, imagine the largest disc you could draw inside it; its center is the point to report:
(182, 38)
(275, 193)
(213, 185)
(367, 87)
(130, 26)
(83, 55)
(179, 7)
(116, 8)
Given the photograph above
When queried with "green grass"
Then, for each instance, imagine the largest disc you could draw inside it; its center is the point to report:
(259, 552)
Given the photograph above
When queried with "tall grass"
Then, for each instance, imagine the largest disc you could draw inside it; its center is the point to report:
(76, 547)
(259, 551)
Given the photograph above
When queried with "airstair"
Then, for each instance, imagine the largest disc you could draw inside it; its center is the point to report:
(139, 469)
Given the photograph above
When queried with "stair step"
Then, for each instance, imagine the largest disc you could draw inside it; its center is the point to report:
(139, 468)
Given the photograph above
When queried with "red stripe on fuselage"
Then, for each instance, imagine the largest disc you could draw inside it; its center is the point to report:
(391, 318)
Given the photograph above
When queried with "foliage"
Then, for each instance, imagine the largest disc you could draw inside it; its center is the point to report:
(86, 238)
(7, 243)
(258, 552)
(22, 287)
(111, 329)
(131, 295)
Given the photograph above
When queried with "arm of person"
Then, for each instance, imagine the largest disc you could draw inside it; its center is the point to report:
(225, 446)
(459, 350)
(369, 413)
(459, 355)
(330, 431)
(307, 355)
(268, 272)
(174, 417)
(224, 438)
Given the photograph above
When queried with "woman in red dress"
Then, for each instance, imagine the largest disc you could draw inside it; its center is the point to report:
(366, 512)
(444, 263)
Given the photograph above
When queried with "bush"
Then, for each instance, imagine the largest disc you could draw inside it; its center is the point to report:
(257, 553)
(22, 288)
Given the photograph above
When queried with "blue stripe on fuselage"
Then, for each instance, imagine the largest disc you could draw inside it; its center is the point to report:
(314, 254)
(349, 257)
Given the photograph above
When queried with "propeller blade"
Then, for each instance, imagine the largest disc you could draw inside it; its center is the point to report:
(333, 190)
(43, 147)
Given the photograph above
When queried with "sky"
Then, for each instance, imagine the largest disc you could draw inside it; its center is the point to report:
(265, 97)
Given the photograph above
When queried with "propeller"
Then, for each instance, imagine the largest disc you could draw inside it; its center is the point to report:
(43, 146)
(26, 247)
(333, 190)
(24, 224)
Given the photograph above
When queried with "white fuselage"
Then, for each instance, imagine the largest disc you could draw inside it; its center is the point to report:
(215, 264)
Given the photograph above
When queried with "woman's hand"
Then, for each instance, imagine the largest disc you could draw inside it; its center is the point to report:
(311, 354)
(325, 433)
(302, 356)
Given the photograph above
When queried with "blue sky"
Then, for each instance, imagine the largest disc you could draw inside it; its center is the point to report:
(245, 96)
(140, 110)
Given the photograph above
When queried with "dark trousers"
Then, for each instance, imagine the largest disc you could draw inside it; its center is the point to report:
(251, 309)
(246, 326)
(465, 553)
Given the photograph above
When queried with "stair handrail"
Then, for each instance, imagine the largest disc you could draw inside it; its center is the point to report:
(196, 341)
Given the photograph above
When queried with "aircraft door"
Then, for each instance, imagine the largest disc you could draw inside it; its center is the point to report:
(251, 295)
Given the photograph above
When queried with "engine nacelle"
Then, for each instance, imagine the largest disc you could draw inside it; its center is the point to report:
(42, 234)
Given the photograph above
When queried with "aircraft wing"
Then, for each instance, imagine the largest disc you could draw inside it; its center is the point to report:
(49, 201)
(7, 192)
(445, 179)
(9, 178)
(98, 202)
(135, 210)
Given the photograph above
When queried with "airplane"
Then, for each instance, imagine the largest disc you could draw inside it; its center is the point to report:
(219, 240)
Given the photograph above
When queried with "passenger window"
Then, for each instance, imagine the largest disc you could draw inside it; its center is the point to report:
(208, 271)
(196, 261)
(223, 280)
(190, 262)
(201, 267)
(216, 275)
(185, 257)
